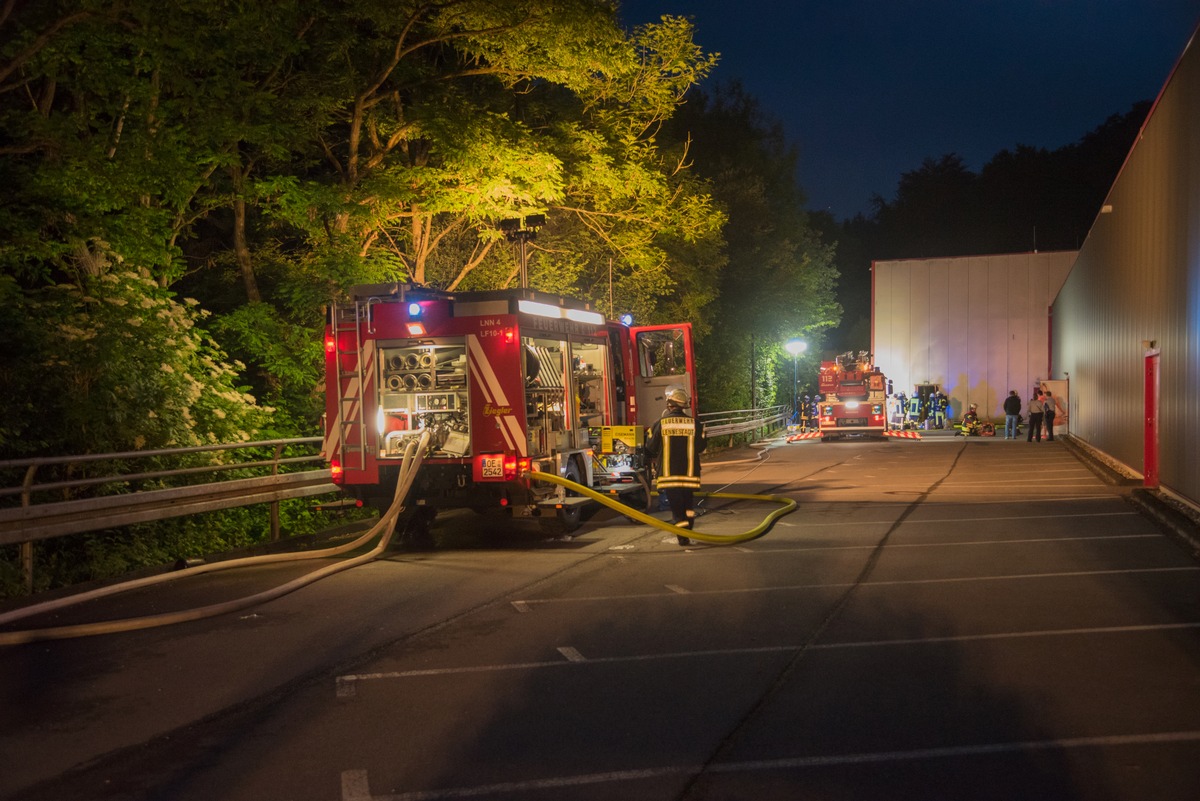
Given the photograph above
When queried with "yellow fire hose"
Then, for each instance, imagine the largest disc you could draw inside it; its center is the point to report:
(787, 506)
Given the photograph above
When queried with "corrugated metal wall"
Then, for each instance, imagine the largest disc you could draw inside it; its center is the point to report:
(1137, 279)
(978, 326)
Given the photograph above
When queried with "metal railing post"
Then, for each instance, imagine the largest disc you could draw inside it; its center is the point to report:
(274, 506)
(27, 547)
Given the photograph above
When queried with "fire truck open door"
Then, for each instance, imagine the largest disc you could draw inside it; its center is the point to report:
(665, 360)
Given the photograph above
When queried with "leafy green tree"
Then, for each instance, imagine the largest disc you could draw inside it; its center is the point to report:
(779, 282)
(113, 363)
(261, 157)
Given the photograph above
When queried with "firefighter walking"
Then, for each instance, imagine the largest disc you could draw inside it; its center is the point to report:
(675, 443)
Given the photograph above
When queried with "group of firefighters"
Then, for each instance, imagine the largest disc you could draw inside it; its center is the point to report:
(929, 411)
(926, 411)
(807, 413)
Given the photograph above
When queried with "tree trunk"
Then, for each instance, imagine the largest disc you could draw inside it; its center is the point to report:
(240, 248)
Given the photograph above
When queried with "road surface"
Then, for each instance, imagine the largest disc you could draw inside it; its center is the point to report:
(944, 619)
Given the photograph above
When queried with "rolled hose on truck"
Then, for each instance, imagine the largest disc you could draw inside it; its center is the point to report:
(386, 526)
(787, 506)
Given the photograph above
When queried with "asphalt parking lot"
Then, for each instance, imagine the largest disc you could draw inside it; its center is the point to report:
(943, 619)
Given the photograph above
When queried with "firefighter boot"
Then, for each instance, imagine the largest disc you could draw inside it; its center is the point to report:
(687, 525)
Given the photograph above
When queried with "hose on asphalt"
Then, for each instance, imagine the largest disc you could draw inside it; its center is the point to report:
(786, 506)
(384, 528)
(414, 454)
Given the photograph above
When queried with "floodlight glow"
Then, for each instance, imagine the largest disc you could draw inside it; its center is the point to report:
(796, 346)
(540, 309)
(414, 309)
(627, 319)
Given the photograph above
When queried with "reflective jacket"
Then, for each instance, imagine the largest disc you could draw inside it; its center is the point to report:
(676, 442)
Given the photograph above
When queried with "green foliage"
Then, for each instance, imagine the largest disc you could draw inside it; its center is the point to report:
(263, 157)
(285, 363)
(780, 279)
(114, 363)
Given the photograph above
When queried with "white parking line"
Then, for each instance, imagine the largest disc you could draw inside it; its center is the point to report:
(355, 786)
(533, 602)
(572, 654)
(894, 546)
(923, 521)
(765, 649)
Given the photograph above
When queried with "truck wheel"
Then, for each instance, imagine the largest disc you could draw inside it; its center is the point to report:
(568, 518)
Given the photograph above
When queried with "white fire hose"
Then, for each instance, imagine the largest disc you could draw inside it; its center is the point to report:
(414, 455)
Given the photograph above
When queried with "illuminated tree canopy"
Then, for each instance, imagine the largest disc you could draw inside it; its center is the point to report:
(262, 157)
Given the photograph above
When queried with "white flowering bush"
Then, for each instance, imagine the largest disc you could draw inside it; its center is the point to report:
(114, 363)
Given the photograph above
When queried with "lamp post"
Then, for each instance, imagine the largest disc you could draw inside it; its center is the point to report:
(795, 347)
(521, 230)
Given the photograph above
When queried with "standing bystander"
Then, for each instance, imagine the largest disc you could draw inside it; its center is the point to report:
(1048, 415)
(1036, 410)
(1012, 412)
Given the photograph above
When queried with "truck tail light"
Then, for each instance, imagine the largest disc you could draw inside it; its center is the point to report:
(330, 343)
(515, 467)
(337, 473)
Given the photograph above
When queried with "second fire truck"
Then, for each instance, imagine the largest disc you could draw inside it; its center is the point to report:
(507, 382)
(853, 397)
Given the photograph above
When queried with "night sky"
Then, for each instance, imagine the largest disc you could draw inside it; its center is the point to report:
(868, 90)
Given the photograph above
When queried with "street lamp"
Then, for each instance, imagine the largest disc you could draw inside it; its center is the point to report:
(521, 230)
(795, 347)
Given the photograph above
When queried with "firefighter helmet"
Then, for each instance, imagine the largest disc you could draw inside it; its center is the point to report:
(677, 397)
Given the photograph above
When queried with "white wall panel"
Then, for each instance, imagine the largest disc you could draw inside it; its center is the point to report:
(958, 377)
(941, 295)
(1020, 297)
(918, 316)
(976, 326)
(995, 384)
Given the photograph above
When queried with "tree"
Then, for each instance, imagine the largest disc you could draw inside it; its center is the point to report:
(779, 281)
(1023, 199)
(262, 158)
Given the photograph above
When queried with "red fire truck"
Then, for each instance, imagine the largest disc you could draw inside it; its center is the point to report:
(853, 397)
(506, 382)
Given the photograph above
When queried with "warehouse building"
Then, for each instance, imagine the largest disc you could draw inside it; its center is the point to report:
(1127, 320)
(976, 326)
(1115, 325)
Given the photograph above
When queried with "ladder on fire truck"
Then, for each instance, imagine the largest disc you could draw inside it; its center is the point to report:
(351, 412)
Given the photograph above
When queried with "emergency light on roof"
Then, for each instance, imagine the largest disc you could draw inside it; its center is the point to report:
(414, 309)
(558, 313)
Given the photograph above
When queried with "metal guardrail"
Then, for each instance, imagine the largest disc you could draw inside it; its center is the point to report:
(33, 521)
(45, 520)
(25, 524)
(741, 421)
